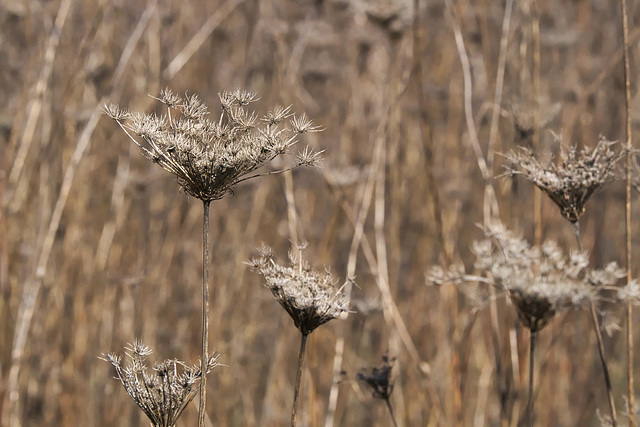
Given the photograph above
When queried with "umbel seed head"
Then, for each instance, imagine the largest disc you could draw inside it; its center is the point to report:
(572, 181)
(310, 297)
(210, 157)
(163, 392)
(540, 281)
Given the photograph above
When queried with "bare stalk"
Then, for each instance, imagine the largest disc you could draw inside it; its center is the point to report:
(205, 313)
(596, 327)
(605, 369)
(303, 345)
(390, 408)
(627, 211)
(532, 344)
(576, 230)
(537, 195)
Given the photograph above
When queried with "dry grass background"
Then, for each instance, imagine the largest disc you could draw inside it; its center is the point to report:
(110, 248)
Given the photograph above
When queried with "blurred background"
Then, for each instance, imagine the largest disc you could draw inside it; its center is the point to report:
(98, 246)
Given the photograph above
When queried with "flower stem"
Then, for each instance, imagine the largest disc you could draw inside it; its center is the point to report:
(605, 369)
(205, 314)
(393, 418)
(303, 345)
(627, 211)
(532, 345)
(596, 327)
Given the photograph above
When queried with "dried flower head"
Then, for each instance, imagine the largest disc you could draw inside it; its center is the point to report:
(209, 157)
(571, 183)
(309, 296)
(164, 394)
(379, 379)
(540, 281)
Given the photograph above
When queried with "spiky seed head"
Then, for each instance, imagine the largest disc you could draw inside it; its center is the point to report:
(540, 281)
(210, 157)
(571, 182)
(162, 392)
(309, 296)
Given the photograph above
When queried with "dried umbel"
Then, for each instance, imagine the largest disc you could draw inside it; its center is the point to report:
(570, 183)
(163, 394)
(210, 157)
(310, 297)
(540, 281)
(379, 379)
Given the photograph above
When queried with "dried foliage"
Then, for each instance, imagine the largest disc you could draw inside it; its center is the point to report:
(309, 296)
(379, 379)
(540, 281)
(209, 157)
(573, 181)
(164, 394)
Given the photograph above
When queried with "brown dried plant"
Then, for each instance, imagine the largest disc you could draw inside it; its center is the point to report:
(380, 381)
(164, 394)
(539, 281)
(309, 296)
(573, 181)
(211, 157)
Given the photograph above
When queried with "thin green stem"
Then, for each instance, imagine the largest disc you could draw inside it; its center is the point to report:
(205, 314)
(303, 345)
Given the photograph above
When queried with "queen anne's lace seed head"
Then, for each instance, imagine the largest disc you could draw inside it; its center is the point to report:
(540, 281)
(210, 157)
(162, 393)
(309, 296)
(573, 181)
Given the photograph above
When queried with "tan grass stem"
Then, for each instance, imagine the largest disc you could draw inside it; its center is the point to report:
(356, 242)
(627, 211)
(537, 195)
(32, 287)
(199, 38)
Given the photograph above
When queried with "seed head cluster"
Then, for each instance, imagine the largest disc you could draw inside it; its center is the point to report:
(540, 281)
(379, 379)
(309, 296)
(570, 183)
(210, 157)
(163, 394)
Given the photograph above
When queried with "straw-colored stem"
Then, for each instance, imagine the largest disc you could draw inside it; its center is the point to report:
(303, 345)
(629, 146)
(205, 313)
(537, 195)
(605, 369)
